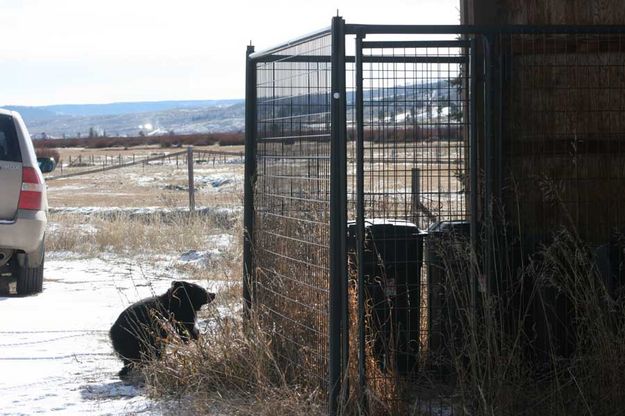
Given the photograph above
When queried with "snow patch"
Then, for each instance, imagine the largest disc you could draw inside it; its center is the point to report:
(220, 245)
(217, 181)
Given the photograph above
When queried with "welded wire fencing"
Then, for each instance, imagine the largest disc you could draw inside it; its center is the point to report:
(292, 204)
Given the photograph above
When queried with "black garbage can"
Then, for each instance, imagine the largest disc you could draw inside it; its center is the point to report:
(441, 257)
(392, 271)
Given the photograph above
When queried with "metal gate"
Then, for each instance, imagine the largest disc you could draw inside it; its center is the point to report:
(345, 152)
(410, 164)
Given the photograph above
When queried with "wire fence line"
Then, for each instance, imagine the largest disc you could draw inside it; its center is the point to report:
(188, 157)
(147, 160)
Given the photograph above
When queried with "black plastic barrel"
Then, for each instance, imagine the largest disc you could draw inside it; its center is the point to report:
(393, 257)
(441, 254)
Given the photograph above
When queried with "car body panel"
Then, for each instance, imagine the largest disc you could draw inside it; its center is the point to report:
(20, 230)
(25, 233)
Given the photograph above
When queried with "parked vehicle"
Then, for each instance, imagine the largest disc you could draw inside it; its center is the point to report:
(23, 209)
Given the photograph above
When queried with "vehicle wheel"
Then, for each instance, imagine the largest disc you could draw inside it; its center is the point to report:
(30, 279)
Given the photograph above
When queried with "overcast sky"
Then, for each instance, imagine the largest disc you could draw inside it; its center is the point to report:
(98, 51)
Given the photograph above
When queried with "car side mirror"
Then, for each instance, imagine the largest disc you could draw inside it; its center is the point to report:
(46, 164)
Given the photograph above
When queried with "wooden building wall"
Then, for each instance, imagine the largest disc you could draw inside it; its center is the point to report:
(559, 117)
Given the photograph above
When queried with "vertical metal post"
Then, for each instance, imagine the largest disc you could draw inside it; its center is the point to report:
(338, 217)
(473, 159)
(499, 136)
(489, 220)
(249, 180)
(415, 194)
(360, 220)
(191, 184)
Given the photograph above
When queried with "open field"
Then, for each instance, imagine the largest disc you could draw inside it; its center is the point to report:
(160, 183)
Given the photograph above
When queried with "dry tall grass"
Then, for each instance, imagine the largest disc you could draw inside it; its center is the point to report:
(540, 334)
(544, 337)
(230, 370)
(159, 233)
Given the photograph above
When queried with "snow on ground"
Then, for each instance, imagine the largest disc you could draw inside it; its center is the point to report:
(55, 356)
(221, 243)
(219, 180)
(104, 211)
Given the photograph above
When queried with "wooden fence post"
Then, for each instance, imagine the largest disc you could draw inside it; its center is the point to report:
(416, 195)
(190, 170)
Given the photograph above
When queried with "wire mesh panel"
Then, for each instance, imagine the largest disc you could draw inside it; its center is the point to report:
(414, 160)
(291, 197)
(414, 133)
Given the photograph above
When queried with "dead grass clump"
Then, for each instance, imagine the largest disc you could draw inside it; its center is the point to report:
(231, 370)
(544, 338)
(542, 334)
(592, 379)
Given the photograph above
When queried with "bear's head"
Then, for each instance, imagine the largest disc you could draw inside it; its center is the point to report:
(190, 294)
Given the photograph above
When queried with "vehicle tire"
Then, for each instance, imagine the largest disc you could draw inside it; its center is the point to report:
(30, 279)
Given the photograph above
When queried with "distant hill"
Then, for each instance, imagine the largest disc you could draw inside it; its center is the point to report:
(79, 110)
(438, 98)
(133, 107)
(150, 117)
(32, 113)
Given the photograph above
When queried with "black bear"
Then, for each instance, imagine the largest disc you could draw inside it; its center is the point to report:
(138, 332)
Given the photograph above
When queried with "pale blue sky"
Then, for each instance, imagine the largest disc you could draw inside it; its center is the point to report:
(97, 51)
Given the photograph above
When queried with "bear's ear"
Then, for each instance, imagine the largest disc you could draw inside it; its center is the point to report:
(176, 284)
(175, 293)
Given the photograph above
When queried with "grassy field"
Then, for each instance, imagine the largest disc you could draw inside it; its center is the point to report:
(160, 183)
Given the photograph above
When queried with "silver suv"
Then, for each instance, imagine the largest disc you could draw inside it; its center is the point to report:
(23, 209)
